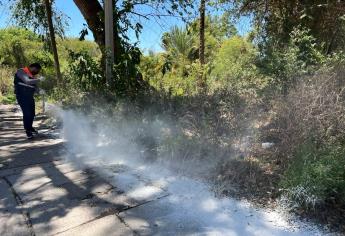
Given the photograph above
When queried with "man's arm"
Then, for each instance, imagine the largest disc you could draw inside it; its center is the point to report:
(25, 78)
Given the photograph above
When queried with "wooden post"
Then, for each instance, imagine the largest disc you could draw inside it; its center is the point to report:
(109, 38)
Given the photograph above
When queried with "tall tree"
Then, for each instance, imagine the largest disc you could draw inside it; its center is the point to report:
(48, 8)
(93, 14)
(179, 43)
(127, 55)
(276, 19)
(32, 14)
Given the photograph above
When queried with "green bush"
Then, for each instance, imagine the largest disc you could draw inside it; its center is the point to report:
(287, 65)
(19, 47)
(84, 73)
(309, 130)
(8, 99)
(6, 85)
(234, 68)
(316, 175)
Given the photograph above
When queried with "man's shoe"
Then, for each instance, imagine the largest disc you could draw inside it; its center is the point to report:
(34, 132)
(29, 135)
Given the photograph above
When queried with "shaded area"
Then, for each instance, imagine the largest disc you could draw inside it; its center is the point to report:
(47, 194)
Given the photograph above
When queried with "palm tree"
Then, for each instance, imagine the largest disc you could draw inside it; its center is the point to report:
(179, 45)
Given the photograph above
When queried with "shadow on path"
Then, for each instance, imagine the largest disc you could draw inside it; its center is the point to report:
(52, 194)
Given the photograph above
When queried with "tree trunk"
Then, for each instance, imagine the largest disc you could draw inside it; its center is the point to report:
(202, 32)
(202, 84)
(53, 41)
(93, 13)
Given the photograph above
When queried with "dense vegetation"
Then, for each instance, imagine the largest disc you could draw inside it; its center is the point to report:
(268, 116)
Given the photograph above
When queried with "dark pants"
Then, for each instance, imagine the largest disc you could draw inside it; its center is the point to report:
(25, 99)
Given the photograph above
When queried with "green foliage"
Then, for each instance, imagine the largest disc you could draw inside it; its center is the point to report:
(127, 81)
(217, 29)
(65, 46)
(180, 45)
(177, 83)
(234, 67)
(6, 82)
(277, 19)
(32, 14)
(84, 73)
(8, 99)
(127, 8)
(299, 57)
(20, 47)
(306, 49)
(171, 78)
(316, 174)
(153, 67)
(177, 70)
(6, 85)
(307, 126)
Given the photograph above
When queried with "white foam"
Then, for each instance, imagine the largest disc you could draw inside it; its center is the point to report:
(105, 146)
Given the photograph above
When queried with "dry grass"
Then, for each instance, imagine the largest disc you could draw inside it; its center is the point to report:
(314, 110)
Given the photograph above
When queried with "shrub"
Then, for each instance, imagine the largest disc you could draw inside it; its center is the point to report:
(20, 47)
(314, 110)
(316, 175)
(308, 128)
(300, 57)
(234, 68)
(6, 85)
(84, 73)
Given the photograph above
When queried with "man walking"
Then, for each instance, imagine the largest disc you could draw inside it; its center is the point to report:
(25, 85)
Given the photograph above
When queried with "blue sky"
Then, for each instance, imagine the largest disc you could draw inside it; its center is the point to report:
(149, 38)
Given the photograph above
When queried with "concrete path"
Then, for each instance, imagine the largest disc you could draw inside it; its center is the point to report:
(44, 190)
(42, 194)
